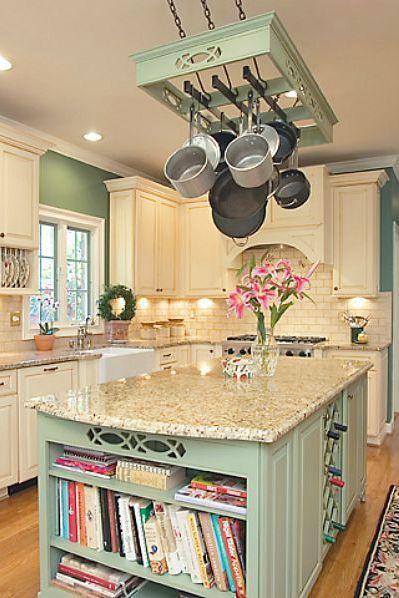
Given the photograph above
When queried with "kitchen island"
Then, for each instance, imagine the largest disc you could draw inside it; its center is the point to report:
(285, 435)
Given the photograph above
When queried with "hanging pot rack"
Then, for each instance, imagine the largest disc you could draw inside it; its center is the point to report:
(164, 72)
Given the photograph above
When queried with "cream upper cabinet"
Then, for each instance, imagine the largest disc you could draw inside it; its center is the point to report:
(356, 225)
(19, 197)
(144, 236)
(204, 253)
(32, 382)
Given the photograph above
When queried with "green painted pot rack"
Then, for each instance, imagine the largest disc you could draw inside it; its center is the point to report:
(160, 71)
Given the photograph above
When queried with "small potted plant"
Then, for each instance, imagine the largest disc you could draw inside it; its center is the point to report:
(45, 340)
(117, 307)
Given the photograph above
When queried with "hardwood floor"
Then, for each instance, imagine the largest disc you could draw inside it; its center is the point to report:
(19, 552)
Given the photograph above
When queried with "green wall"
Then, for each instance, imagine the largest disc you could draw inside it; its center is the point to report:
(73, 185)
(388, 214)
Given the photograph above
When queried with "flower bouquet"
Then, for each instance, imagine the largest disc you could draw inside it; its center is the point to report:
(268, 289)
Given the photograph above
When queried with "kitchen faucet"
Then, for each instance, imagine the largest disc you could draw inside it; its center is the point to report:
(84, 338)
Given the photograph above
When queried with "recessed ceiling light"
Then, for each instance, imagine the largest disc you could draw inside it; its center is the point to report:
(291, 94)
(5, 65)
(92, 136)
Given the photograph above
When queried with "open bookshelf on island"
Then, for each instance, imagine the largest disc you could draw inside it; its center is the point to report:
(194, 457)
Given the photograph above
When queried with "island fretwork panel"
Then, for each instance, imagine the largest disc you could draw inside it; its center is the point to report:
(286, 530)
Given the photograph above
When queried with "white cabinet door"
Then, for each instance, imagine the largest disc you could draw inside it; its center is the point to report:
(356, 221)
(204, 253)
(184, 355)
(19, 198)
(167, 247)
(146, 245)
(8, 441)
(205, 352)
(33, 382)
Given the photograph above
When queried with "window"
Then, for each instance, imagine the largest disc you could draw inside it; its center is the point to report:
(70, 270)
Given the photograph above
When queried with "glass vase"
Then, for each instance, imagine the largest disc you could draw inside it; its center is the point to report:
(265, 352)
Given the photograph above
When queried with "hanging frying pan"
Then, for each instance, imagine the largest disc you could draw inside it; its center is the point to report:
(240, 228)
(288, 140)
(229, 200)
(293, 190)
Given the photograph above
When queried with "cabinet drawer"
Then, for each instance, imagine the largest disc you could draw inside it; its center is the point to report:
(8, 383)
(168, 355)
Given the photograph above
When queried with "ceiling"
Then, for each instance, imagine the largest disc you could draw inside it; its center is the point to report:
(72, 71)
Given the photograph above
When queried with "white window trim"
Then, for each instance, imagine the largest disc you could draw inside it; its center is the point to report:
(96, 226)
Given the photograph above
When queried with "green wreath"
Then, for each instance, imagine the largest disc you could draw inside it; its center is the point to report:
(117, 292)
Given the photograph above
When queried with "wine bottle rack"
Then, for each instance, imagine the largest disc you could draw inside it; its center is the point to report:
(332, 480)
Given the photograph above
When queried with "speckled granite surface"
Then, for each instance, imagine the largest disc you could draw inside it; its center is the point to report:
(170, 342)
(13, 361)
(200, 403)
(353, 346)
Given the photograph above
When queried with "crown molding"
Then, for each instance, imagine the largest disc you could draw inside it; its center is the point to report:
(363, 164)
(378, 177)
(12, 131)
(137, 183)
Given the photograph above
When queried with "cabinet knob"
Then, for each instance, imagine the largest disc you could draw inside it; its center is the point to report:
(2, 235)
(335, 288)
(161, 290)
(223, 290)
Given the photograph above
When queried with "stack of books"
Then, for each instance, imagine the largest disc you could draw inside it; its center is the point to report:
(167, 538)
(87, 461)
(86, 578)
(224, 493)
(150, 473)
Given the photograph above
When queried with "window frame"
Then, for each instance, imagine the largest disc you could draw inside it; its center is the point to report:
(64, 219)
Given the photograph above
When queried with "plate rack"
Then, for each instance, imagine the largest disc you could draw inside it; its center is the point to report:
(333, 463)
(15, 269)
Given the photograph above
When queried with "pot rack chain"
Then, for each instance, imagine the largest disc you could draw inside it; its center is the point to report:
(241, 14)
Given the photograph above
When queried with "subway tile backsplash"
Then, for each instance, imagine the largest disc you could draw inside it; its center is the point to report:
(208, 319)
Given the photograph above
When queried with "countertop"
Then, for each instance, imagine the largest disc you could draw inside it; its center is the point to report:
(170, 342)
(354, 346)
(13, 361)
(198, 402)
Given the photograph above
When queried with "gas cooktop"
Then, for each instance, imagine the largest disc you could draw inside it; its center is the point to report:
(300, 346)
(309, 340)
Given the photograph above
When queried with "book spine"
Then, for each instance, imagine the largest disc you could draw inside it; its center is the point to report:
(178, 539)
(142, 516)
(90, 520)
(85, 576)
(106, 530)
(167, 537)
(154, 546)
(135, 533)
(211, 546)
(99, 527)
(65, 510)
(200, 551)
(211, 502)
(238, 529)
(118, 516)
(60, 508)
(232, 554)
(80, 465)
(80, 491)
(185, 536)
(195, 571)
(90, 589)
(223, 553)
(126, 529)
(219, 489)
(112, 521)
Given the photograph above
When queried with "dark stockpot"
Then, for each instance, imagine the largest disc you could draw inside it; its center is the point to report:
(223, 138)
(229, 200)
(293, 190)
(240, 228)
(288, 140)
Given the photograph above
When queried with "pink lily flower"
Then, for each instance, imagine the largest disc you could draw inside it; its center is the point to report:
(265, 297)
(302, 283)
(312, 269)
(262, 270)
(237, 301)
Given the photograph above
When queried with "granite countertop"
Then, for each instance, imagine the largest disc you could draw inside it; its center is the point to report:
(170, 342)
(198, 402)
(13, 361)
(354, 346)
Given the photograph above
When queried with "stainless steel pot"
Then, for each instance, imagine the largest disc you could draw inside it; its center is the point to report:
(190, 171)
(249, 157)
(209, 144)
